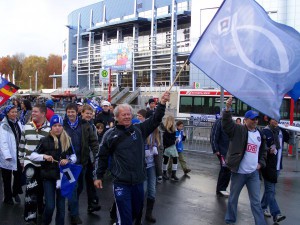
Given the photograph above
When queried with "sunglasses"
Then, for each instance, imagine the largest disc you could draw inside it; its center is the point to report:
(254, 119)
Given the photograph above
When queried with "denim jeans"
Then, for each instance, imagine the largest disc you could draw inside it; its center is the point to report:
(150, 183)
(238, 181)
(73, 203)
(50, 193)
(268, 198)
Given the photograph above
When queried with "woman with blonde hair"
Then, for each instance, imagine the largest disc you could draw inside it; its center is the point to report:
(169, 140)
(54, 150)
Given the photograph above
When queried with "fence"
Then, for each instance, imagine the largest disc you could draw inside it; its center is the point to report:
(198, 135)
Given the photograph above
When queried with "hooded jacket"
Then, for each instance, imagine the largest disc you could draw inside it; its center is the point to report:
(8, 147)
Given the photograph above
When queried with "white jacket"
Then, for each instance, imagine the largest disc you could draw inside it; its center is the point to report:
(8, 149)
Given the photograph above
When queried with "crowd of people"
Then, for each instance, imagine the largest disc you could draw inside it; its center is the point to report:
(37, 141)
(137, 153)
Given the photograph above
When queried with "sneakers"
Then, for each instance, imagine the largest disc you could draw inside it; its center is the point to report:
(278, 218)
(186, 171)
(159, 179)
(173, 176)
(93, 208)
(223, 194)
(17, 199)
(267, 213)
(165, 176)
(75, 220)
(8, 202)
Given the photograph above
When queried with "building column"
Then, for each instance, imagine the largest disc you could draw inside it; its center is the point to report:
(153, 43)
(79, 44)
(135, 39)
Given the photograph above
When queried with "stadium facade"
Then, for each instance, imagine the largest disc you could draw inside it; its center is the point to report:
(145, 42)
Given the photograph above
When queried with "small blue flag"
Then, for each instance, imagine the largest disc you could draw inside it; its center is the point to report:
(251, 56)
(69, 176)
(97, 108)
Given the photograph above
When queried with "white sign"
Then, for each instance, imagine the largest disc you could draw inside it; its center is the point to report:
(104, 76)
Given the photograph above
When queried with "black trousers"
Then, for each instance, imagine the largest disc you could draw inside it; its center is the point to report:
(16, 188)
(224, 177)
(87, 176)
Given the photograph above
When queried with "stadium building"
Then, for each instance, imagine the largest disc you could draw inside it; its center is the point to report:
(145, 42)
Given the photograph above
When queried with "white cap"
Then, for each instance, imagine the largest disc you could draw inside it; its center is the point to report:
(105, 103)
(79, 103)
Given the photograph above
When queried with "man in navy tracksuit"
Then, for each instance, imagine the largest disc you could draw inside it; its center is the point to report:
(125, 144)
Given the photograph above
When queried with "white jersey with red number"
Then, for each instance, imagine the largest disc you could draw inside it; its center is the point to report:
(250, 159)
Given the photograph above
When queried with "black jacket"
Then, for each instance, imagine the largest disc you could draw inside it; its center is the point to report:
(169, 139)
(126, 146)
(219, 139)
(238, 136)
(106, 118)
(50, 170)
(270, 171)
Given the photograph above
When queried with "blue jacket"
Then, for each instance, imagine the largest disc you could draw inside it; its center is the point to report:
(219, 140)
(181, 139)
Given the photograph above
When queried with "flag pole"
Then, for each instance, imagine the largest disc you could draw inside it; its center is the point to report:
(178, 74)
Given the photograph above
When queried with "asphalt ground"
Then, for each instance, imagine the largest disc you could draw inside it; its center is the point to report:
(190, 201)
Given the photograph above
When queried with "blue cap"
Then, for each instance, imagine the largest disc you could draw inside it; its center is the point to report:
(8, 108)
(251, 114)
(49, 103)
(56, 119)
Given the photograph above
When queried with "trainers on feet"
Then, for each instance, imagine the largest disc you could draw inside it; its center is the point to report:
(75, 220)
(8, 202)
(93, 208)
(224, 194)
(17, 199)
(278, 218)
(165, 176)
(159, 179)
(186, 171)
(267, 213)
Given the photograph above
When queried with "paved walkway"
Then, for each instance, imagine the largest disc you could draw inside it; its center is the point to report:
(191, 201)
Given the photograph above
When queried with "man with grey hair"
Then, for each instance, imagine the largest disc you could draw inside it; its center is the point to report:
(125, 144)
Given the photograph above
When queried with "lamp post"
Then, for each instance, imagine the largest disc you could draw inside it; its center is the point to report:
(30, 83)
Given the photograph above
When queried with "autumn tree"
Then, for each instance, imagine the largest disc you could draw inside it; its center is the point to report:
(32, 64)
(53, 67)
(26, 67)
(5, 65)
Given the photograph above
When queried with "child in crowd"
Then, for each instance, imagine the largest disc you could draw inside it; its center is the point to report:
(180, 138)
(169, 140)
(100, 131)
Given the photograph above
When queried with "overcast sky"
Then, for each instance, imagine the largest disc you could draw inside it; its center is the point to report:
(35, 27)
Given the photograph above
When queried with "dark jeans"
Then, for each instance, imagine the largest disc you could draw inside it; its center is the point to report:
(17, 187)
(87, 175)
(51, 195)
(269, 199)
(89, 183)
(224, 177)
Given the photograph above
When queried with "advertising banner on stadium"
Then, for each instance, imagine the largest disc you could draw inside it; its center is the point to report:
(117, 57)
